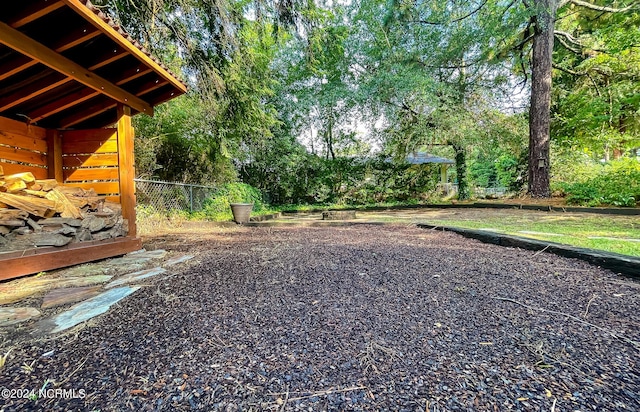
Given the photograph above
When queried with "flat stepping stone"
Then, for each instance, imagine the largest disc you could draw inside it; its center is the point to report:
(128, 260)
(90, 308)
(11, 316)
(82, 281)
(152, 254)
(176, 260)
(15, 291)
(135, 277)
(529, 232)
(59, 297)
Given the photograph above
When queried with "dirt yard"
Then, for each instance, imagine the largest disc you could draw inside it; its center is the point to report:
(364, 317)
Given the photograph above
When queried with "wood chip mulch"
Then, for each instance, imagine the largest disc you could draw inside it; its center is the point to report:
(350, 318)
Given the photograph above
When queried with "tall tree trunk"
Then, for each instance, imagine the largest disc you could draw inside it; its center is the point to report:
(461, 171)
(539, 112)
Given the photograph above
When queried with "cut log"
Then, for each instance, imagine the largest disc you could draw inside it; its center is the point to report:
(33, 224)
(14, 186)
(1, 172)
(78, 202)
(35, 206)
(72, 191)
(101, 236)
(94, 224)
(52, 240)
(66, 230)
(36, 193)
(57, 221)
(4, 230)
(35, 186)
(12, 222)
(47, 184)
(22, 230)
(13, 214)
(26, 177)
(83, 235)
(63, 205)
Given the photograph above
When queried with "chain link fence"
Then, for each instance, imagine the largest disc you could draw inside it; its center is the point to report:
(168, 196)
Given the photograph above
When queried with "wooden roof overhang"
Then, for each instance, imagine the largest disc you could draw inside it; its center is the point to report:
(66, 65)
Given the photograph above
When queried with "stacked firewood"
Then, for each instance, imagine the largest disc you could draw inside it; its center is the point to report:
(36, 213)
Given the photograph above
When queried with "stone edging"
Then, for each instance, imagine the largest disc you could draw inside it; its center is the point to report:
(623, 264)
(631, 211)
(262, 218)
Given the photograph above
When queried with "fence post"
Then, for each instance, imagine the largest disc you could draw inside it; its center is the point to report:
(191, 199)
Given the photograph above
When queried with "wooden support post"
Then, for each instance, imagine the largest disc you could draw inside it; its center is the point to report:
(54, 155)
(443, 173)
(126, 165)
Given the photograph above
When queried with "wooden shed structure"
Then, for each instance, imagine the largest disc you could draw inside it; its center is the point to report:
(70, 80)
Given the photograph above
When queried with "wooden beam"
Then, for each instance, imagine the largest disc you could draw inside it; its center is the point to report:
(35, 89)
(62, 104)
(16, 66)
(103, 26)
(126, 165)
(34, 12)
(29, 47)
(23, 62)
(76, 37)
(115, 55)
(88, 113)
(82, 95)
(168, 95)
(38, 260)
(133, 74)
(150, 86)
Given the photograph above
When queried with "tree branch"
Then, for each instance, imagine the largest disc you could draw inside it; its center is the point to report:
(568, 36)
(591, 6)
(559, 35)
(451, 67)
(571, 72)
(439, 23)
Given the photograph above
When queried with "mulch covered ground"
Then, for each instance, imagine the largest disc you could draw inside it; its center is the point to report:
(351, 318)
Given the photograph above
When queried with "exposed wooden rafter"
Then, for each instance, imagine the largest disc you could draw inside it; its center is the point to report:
(82, 96)
(75, 38)
(62, 104)
(86, 113)
(31, 48)
(15, 66)
(35, 89)
(35, 12)
(81, 9)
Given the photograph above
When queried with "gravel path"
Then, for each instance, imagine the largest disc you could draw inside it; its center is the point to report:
(351, 318)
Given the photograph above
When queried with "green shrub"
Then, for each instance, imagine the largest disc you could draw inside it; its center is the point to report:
(616, 183)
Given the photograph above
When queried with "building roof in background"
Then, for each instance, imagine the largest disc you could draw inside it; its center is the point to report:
(419, 158)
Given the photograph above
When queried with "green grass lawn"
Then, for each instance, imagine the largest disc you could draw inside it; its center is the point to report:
(620, 234)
